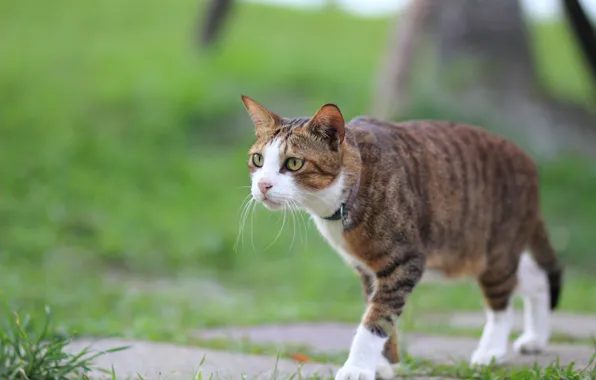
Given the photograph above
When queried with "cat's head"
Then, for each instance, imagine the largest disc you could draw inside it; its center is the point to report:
(297, 162)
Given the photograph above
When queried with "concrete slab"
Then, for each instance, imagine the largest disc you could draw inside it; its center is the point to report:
(335, 337)
(575, 326)
(444, 349)
(321, 337)
(166, 361)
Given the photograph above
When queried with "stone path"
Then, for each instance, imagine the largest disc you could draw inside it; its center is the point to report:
(334, 337)
(572, 325)
(166, 361)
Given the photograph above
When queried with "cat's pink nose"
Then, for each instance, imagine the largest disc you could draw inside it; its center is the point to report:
(264, 186)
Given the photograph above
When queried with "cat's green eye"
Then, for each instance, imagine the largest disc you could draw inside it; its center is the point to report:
(294, 164)
(257, 160)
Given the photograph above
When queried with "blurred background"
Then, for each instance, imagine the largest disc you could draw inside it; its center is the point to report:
(123, 146)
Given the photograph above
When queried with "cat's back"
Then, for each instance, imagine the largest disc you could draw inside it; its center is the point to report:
(466, 188)
(445, 142)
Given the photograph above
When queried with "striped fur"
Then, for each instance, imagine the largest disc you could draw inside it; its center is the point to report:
(432, 194)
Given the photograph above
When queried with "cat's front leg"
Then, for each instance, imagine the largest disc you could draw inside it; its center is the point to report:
(390, 352)
(395, 278)
(368, 281)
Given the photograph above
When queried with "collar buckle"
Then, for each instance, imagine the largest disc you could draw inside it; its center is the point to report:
(340, 213)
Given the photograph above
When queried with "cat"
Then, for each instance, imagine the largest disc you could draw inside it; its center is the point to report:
(394, 199)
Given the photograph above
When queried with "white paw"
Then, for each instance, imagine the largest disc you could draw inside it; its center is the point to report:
(485, 357)
(384, 369)
(529, 344)
(350, 372)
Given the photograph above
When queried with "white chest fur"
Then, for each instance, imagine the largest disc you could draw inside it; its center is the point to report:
(326, 202)
(332, 231)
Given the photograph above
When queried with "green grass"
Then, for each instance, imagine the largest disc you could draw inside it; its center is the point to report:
(415, 367)
(123, 153)
(33, 351)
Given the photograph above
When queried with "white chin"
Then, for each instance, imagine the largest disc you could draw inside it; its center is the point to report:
(271, 205)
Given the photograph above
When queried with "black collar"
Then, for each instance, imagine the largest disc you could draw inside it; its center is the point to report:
(338, 214)
(343, 209)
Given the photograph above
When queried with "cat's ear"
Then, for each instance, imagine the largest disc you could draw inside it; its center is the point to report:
(329, 122)
(263, 119)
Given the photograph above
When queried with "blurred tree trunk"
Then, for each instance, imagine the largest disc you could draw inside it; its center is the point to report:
(489, 43)
(485, 67)
(584, 33)
(332, 4)
(488, 37)
(391, 95)
(215, 16)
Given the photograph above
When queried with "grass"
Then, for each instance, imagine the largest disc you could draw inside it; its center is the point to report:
(415, 367)
(37, 352)
(33, 351)
(122, 158)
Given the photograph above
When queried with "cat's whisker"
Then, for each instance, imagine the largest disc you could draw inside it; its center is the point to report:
(281, 229)
(244, 213)
(244, 201)
(249, 211)
(298, 205)
(252, 218)
(324, 202)
(250, 202)
(300, 218)
(313, 194)
(293, 223)
(241, 209)
(293, 209)
(304, 221)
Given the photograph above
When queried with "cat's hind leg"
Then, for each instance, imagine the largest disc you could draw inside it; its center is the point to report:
(533, 287)
(498, 283)
(540, 279)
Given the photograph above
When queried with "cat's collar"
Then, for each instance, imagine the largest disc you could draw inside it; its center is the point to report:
(338, 214)
(343, 209)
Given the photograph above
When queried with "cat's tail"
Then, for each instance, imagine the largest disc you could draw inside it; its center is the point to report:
(546, 258)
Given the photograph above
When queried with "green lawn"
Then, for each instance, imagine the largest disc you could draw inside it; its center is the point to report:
(123, 167)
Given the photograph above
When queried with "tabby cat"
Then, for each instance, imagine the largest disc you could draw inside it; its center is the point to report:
(394, 199)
